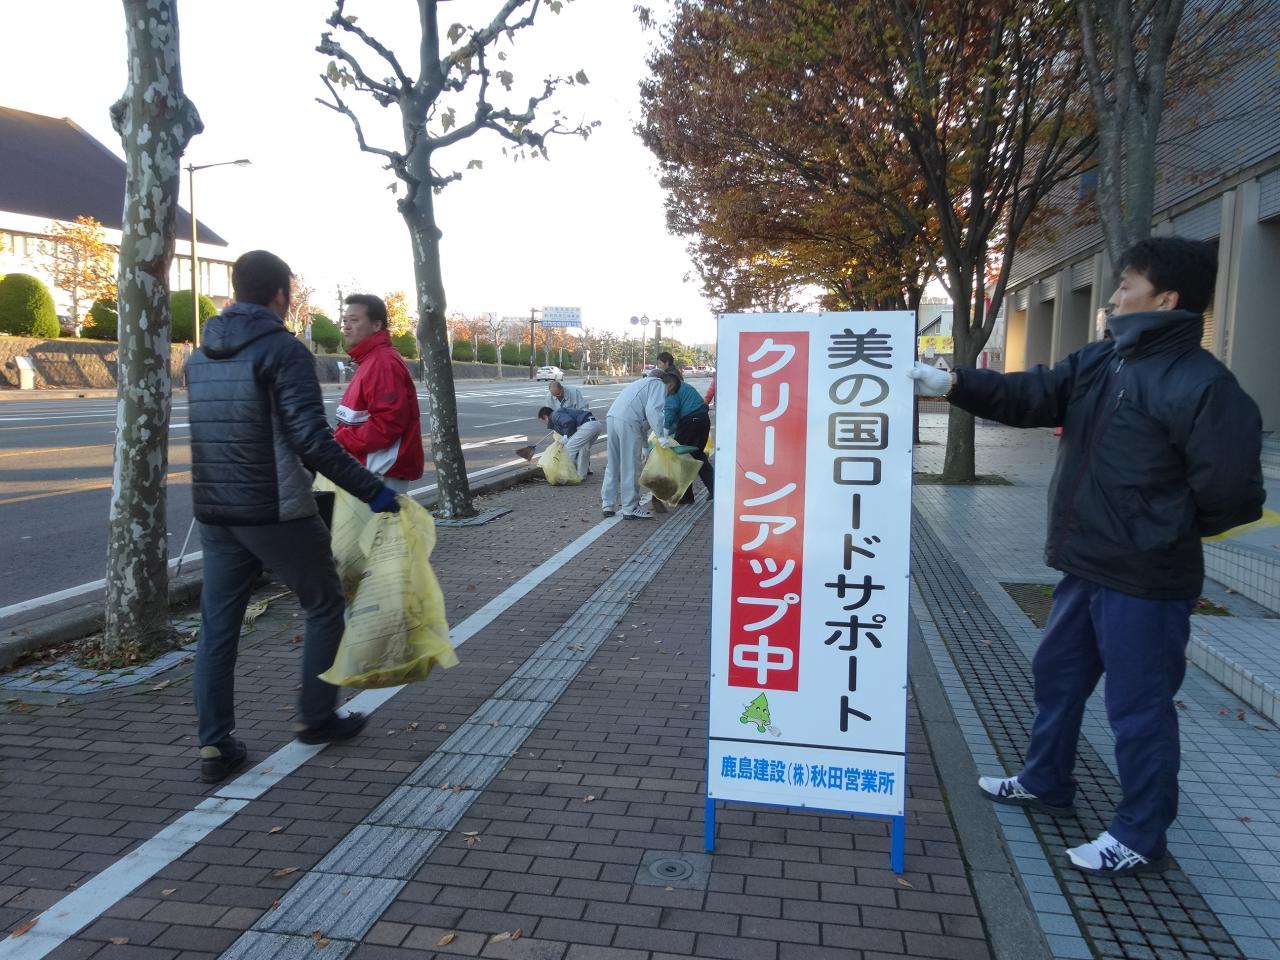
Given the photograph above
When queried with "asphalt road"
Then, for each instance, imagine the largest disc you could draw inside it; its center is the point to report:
(55, 474)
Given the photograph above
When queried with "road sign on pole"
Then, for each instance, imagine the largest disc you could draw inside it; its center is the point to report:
(561, 316)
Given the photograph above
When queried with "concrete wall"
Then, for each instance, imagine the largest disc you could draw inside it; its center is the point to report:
(1075, 322)
(1015, 340)
(1250, 283)
(1039, 344)
(70, 364)
(74, 364)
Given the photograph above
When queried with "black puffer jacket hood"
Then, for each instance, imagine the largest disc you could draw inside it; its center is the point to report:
(1160, 447)
(258, 429)
(236, 327)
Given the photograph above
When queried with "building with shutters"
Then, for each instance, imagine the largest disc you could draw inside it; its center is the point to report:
(50, 170)
(1218, 180)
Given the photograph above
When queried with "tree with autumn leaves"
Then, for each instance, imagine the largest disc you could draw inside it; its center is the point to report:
(755, 154)
(861, 145)
(83, 264)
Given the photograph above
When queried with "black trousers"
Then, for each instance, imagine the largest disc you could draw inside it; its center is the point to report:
(693, 431)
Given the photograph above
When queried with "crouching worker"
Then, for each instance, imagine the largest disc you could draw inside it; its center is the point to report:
(579, 429)
(689, 421)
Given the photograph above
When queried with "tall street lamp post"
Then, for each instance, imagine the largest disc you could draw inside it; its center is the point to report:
(533, 349)
(195, 257)
(657, 331)
(643, 321)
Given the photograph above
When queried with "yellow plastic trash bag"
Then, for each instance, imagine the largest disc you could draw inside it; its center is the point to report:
(1269, 518)
(557, 466)
(710, 448)
(396, 627)
(350, 517)
(668, 474)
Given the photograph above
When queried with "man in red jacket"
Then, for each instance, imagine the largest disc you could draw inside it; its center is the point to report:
(378, 420)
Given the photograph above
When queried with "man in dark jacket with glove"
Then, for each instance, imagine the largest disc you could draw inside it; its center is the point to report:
(258, 435)
(1160, 447)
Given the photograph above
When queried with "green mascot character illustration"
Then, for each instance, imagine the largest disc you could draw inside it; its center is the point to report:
(757, 712)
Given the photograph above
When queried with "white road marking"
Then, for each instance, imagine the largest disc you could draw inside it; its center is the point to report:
(60, 416)
(514, 438)
(70, 592)
(95, 896)
(82, 589)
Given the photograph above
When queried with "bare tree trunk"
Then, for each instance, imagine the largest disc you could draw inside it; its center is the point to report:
(1126, 62)
(970, 328)
(155, 121)
(418, 211)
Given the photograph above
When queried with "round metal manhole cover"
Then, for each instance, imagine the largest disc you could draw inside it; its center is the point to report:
(670, 869)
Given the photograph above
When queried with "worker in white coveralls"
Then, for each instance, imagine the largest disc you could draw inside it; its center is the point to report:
(563, 396)
(638, 409)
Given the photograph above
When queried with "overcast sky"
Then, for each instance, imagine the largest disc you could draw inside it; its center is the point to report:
(585, 228)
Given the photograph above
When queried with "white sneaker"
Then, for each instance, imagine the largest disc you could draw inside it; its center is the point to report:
(641, 514)
(1108, 857)
(1009, 790)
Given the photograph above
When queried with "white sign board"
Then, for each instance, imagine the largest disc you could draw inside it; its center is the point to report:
(562, 316)
(811, 556)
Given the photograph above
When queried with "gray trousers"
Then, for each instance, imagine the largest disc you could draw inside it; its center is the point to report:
(621, 485)
(578, 446)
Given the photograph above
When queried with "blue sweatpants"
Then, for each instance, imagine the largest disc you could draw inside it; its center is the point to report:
(1141, 646)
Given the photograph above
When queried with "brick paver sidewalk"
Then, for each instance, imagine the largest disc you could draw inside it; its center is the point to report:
(543, 852)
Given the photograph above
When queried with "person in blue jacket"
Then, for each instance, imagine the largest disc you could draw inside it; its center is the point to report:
(689, 421)
(1160, 447)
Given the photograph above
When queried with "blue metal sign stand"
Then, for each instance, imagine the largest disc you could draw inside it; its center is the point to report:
(897, 830)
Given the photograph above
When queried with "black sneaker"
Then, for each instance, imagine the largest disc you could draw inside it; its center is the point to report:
(216, 766)
(1009, 791)
(337, 727)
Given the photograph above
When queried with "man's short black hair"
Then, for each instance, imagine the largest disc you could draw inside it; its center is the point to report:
(545, 412)
(669, 378)
(666, 357)
(1187, 267)
(258, 276)
(374, 308)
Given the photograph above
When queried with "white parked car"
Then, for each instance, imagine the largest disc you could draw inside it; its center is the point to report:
(550, 373)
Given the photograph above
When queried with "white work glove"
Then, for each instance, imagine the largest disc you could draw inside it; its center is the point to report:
(930, 381)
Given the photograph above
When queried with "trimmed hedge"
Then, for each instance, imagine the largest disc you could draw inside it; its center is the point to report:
(406, 344)
(106, 321)
(180, 314)
(26, 308)
(324, 332)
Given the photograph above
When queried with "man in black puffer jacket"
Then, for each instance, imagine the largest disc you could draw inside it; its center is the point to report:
(1160, 447)
(258, 435)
